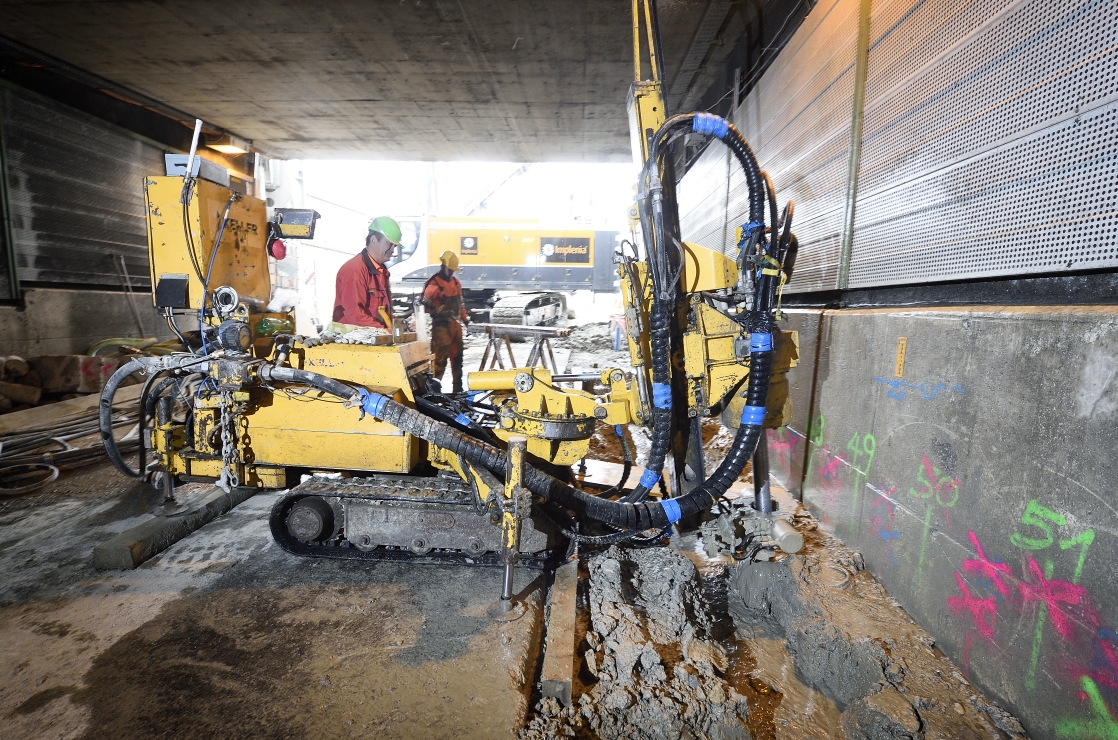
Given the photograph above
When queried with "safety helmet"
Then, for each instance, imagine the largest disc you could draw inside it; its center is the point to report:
(388, 227)
(450, 259)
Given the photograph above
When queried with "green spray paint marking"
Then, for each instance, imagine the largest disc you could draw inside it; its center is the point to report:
(1038, 637)
(1101, 726)
(923, 543)
(860, 446)
(1085, 540)
(814, 437)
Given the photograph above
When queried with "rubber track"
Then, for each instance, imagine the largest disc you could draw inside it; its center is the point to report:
(343, 551)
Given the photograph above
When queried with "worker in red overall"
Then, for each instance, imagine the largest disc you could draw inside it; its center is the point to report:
(442, 297)
(362, 294)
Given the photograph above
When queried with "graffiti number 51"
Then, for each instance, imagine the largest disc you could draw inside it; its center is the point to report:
(1045, 520)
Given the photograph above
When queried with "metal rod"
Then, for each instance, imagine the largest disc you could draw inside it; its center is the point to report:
(576, 378)
(506, 587)
(636, 41)
(762, 495)
(193, 148)
(651, 41)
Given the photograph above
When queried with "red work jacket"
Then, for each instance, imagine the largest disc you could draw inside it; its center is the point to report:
(443, 298)
(361, 291)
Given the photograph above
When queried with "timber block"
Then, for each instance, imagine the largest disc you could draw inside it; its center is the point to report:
(557, 675)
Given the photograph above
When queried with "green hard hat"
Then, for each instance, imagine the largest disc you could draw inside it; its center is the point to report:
(387, 226)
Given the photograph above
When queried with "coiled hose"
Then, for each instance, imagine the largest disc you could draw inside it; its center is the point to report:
(105, 417)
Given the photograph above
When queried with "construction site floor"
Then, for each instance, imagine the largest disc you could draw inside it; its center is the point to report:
(226, 635)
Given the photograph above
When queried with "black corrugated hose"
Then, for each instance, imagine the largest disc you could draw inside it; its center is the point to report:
(664, 287)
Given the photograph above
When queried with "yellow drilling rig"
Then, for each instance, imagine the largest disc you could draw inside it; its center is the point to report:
(483, 477)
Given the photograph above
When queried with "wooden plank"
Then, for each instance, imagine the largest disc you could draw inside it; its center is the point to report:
(558, 671)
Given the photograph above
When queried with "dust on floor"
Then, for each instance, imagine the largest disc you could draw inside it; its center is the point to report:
(226, 635)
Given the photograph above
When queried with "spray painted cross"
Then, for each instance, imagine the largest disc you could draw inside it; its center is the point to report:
(1045, 521)
(983, 611)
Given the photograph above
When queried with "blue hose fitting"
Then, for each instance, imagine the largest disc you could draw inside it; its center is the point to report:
(671, 510)
(708, 123)
(753, 415)
(759, 342)
(371, 402)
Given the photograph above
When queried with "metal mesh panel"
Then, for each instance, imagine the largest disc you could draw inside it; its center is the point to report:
(797, 119)
(702, 201)
(76, 193)
(989, 141)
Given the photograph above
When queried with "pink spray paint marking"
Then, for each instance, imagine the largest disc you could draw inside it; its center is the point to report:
(983, 612)
(829, 472)
(985, 568)
(784, 444)
(1057, 596)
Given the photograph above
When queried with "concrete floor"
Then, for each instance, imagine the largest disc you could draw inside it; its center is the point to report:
(226, 635)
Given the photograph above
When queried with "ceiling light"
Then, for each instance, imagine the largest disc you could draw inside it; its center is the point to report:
(228, 144)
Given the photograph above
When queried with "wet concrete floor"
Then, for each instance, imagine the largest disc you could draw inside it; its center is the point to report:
(226, 635)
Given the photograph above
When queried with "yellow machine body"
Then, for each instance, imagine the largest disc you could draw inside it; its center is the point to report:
(304, 428)
(557, 421)
(511, 249)
(242, 257)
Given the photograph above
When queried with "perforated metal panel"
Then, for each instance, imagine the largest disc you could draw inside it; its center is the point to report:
(76, 193)
(797, 119)
(988, 147)
(989, 143)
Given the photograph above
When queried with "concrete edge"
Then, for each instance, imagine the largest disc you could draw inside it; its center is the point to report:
(144, 541)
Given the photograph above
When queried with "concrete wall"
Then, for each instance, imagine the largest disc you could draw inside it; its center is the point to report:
(978, 481)
(69, 321)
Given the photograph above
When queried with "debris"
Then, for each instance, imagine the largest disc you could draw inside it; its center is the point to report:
(658, 668)
(14, 367)
(852, 642)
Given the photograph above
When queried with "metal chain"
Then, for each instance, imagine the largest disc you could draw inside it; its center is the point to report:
(229, 478)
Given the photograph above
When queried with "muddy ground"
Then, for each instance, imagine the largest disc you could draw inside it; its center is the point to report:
(226, 635)
(808, 646)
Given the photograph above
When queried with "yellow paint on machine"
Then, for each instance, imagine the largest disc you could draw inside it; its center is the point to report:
(242, 258)
(312, 430)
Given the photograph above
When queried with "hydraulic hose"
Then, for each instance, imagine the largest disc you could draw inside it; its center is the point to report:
(154, 365)
(105, 418)
(664, 289)
(631, 516)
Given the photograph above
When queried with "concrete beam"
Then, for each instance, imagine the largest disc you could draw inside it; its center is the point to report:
(141, 543)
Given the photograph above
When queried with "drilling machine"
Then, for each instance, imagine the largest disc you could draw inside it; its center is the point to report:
(385, 465)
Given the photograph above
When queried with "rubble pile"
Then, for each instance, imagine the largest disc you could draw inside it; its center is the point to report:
(650, 647)
(854, 643)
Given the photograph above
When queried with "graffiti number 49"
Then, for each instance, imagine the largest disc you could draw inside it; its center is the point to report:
(859, 446)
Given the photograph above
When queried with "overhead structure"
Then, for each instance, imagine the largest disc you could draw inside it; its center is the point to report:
(536, 80)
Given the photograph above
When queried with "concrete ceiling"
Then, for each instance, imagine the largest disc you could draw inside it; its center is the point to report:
(531, 80)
